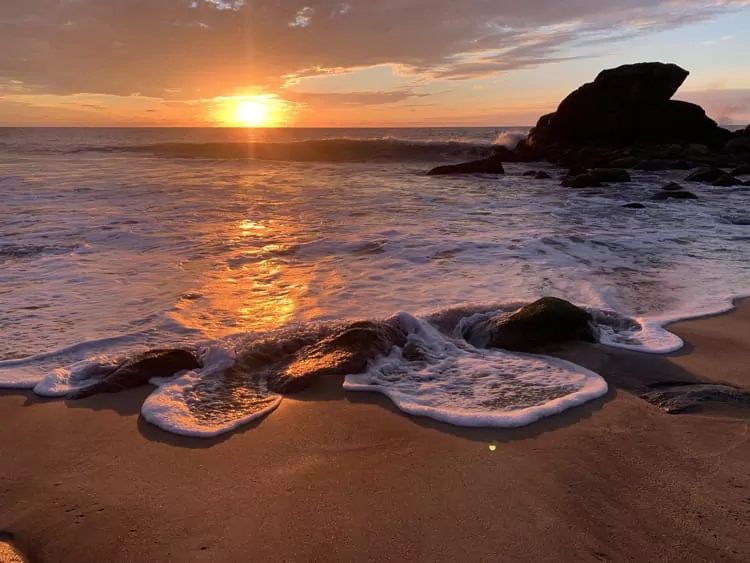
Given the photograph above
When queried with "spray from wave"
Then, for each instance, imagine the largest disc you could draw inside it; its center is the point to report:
(510, 139)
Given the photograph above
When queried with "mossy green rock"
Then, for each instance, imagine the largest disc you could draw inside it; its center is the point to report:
(543, 323)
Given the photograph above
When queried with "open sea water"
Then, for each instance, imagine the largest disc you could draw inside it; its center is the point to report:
(119, 240)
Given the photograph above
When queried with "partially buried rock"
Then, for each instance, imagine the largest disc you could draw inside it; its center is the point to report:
(545, 322)
(581, 181)
(705, 175)
(634, 206)
(726, 180)
(685, 398)
(673, 187)
(611, 175)
(684, 194)
(491, 165)
(138, 370)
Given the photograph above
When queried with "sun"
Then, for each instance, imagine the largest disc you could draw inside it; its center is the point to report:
(267, 110)
(251, 113)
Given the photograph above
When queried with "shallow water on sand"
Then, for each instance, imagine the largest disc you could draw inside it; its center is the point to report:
(108, 244)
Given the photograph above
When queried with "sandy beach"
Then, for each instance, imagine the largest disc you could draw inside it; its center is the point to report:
(333, 476)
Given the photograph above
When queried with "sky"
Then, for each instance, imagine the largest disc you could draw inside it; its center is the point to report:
(333, 63)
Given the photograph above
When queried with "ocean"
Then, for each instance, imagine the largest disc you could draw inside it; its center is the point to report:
(118, 240)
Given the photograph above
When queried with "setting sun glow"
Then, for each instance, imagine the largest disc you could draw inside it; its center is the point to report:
(252, 111)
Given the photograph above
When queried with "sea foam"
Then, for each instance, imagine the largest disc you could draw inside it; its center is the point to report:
(453, 382)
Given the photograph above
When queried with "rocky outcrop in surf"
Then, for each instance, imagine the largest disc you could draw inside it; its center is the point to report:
(136, 371)
(471, 366)
(491, 165)
(626, 118)
(346, 351)
(627, 106)
(534, 327)
(714, 177)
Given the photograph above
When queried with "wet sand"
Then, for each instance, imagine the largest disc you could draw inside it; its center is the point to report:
(332, 476)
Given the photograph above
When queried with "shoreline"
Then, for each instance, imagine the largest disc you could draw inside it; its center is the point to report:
(340, 476)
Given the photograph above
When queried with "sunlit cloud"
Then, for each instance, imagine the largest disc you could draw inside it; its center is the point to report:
(183, 50)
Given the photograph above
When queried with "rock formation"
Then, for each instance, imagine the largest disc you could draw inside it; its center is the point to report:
(543, 323)
(626, 118)
(491, 165)
(626, 106)
(138, 370)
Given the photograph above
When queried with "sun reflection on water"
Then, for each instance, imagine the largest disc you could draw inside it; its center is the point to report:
(258, 287)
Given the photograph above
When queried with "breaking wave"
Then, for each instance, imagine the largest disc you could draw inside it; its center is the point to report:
(323, 150)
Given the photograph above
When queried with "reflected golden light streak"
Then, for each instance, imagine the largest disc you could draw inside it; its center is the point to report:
(258, 289)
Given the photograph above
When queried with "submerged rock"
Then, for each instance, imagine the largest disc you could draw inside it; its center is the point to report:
(673, 187)
(138, 370)
(634, 206)
(543, 323)
(705, 175)
(683, 398)
(491, 165)
(664, 195)
(727, 180)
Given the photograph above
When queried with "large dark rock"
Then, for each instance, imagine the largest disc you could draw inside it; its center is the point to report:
(626, 106)
(138, 370)
(545, 322)
(491, 165)
(741, 170)
(346, 352)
